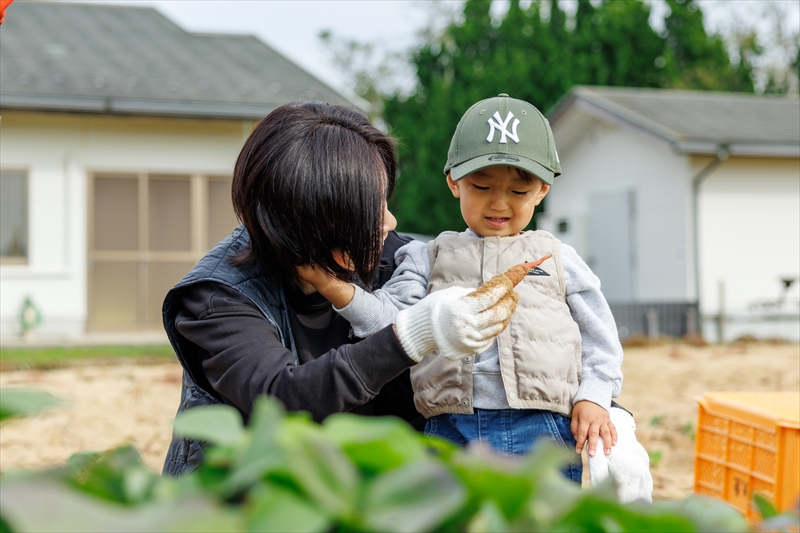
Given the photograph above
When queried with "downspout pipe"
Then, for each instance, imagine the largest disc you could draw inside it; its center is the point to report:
(721, 156)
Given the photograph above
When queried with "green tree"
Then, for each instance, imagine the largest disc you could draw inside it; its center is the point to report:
(615, 45)
(538, 54)
(535, 54)
(695, 60)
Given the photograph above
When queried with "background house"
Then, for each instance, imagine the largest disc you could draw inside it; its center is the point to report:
(119, 135)
(679, 197)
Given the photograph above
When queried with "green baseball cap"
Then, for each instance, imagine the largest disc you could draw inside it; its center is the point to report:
(503, 131)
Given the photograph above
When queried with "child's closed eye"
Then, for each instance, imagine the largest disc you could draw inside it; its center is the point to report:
(480, 188)
(520, 193)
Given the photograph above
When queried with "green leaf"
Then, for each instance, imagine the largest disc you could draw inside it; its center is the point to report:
(441, 448)
(261, 453)
(490, 477)
(78, 464)
(415, 497)
(489, 519)
(374, 444)
(47, 504)
(655, 457)
(15, 403)
(595, 513)
(317, 467)
(118, 475)
(215, 424)
(764, 506)
(5, 527)
(275, 509)
(707, 514)
(554, 495)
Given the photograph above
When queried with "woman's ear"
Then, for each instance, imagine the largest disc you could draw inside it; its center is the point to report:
(453, 186)
(343, 259)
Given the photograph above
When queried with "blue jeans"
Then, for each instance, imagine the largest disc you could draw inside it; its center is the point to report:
(509, 432)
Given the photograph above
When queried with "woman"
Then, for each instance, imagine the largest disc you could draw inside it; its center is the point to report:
(310, 187)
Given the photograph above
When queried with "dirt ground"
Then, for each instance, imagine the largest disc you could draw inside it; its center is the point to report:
(107, 406)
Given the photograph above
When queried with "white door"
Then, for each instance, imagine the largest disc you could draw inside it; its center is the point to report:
(611, 226)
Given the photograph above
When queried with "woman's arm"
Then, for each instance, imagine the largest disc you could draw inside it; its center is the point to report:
(241, 355)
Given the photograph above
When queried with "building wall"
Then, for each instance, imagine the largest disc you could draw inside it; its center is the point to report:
(606, 157)
(58, 152)
(749, 213)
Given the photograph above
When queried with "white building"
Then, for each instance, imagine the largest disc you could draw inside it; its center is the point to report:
(118, 139)
(679, 197)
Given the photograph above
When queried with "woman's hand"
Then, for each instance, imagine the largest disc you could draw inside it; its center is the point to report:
(589, 421)
(336, 291)
(456, 321)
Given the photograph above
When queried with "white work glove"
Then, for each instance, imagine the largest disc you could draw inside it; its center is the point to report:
(628, 463)
(456, 321)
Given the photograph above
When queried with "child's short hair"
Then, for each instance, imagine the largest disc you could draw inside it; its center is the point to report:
(524, 174)
(503, 131)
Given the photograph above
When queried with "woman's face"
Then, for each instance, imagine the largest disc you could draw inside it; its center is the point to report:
(389, 222)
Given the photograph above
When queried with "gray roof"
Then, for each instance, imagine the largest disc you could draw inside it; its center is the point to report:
(699, 122)
(132, 60)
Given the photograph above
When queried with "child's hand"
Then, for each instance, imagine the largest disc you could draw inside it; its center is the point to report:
(589, 421)
(313, 276)
(338, 292)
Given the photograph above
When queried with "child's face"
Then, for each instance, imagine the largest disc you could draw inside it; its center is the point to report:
(497, 201)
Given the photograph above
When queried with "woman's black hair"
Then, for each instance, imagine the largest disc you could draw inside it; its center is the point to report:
(312, 179)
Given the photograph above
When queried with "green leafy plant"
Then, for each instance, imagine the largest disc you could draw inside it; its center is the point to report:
(285, 472)
(17, 402)
(655, 457)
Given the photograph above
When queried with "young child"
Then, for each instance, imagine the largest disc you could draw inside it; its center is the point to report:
(551, 374)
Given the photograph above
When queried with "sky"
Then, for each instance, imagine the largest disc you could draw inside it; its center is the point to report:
(292, 27)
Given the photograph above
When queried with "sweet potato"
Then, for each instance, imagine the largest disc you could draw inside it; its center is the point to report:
(513, 276)
(517, 273)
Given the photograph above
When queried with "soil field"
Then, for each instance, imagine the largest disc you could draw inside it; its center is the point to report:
(115, 404)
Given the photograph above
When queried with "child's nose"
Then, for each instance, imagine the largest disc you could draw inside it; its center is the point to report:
(498, 201)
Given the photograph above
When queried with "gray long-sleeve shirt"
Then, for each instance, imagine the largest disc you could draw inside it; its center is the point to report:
(601, 375)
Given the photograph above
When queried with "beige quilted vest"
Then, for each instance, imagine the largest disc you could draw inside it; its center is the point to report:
(540, 351)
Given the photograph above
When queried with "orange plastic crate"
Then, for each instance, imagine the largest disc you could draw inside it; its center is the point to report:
(748, 442)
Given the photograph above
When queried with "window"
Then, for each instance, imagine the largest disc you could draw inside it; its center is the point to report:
(145, 233)
(13, 217)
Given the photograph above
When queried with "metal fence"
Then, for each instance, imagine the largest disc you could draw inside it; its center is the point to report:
(655, 319)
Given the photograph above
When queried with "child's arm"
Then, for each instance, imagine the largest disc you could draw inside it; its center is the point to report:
(336, 291)
(371, 312)
(601, 375)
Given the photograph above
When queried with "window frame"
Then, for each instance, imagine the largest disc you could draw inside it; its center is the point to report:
(21, 260)
(147, 317)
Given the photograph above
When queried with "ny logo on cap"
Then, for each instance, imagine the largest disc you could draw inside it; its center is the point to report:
(496, 123)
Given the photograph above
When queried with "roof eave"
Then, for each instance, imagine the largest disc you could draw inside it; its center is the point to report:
(125, 106)
(584, 99)
(706, 147)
